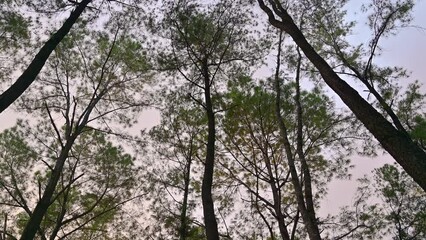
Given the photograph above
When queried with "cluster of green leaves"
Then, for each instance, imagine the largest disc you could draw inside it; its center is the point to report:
(99, 178)
(13, 29)
(174, 167)
(404, 204)
(252, 142)
(390, 204)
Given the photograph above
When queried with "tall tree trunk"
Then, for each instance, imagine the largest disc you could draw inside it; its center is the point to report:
(307, 180)
(45, 201)
(256, 203)
(311, 227)
(43, 204)
(399, 145)
(304, 199)
(29, 75)
(183, 230)
(206, 188)
(3, 235)
(61, 215)
(277, 204)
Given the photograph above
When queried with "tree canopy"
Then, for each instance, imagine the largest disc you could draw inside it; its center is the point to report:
(250, 137)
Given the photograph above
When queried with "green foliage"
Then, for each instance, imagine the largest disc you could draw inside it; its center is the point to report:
(219, 36)
(97, 78)
(99, 178)
(13, 29)
(391, 206)
(254, 156)
(91, 69)
(404, 204)
(412, 113)
(174, 165)
(196, 233)
(419, 130)
(199, 30)
(385, 17)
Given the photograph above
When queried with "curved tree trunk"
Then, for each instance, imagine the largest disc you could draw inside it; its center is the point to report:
(206, 188)
(29, 75)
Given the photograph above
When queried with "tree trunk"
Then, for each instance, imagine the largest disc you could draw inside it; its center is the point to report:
(40, 210)
(276, 195)
(303, 198)
(277, 206)
(183, 230)
(307, 180)
(60, 217)
(398, 144)
(210, 222)
(311, 227)
(29, 75)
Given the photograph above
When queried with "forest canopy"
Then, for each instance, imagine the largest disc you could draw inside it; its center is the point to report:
(261, 106)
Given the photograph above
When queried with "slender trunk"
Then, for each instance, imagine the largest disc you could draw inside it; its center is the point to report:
(278, 210)
(307, 180)
(43, 204)
(276, 195)
(61, 215)
(183, 215)
(3, 236)
(256, 203)
(311, 227)
(298, 189)
(45, 201)
(271, 231)
(303, 206)
(29, 75)
(295, 222)
(275, 191)
(210, 222)
(59, 220)
(399, 145)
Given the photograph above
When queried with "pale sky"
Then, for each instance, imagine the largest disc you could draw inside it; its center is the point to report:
(408, 50)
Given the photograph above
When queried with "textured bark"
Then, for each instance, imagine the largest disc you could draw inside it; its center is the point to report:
(29, 75)
(210, 222)
(398, 144)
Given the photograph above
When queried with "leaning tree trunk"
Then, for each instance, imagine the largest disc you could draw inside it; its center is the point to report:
(43, 204)
(398, 144)
(29, 75)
